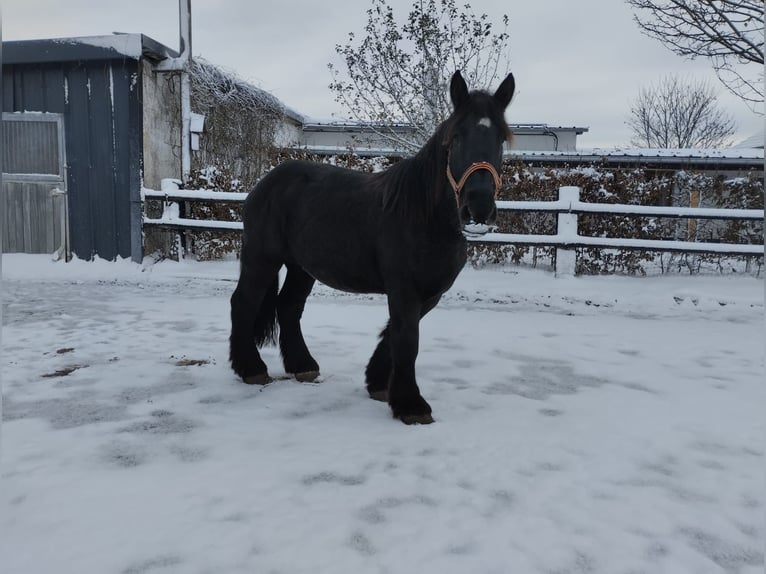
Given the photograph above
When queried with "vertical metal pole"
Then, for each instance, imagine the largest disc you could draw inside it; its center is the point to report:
(566, 258)
(185, 28)
(184, 8)
(2, 191)
(185, 125)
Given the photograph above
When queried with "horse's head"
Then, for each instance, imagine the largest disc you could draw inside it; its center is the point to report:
(474, 140)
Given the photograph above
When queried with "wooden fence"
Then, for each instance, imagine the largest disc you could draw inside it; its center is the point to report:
(566, 240)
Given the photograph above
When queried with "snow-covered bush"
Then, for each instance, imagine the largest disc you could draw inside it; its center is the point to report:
(633, 186)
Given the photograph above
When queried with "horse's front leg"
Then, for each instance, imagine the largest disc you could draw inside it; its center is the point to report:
(404, 396)
(378, 372)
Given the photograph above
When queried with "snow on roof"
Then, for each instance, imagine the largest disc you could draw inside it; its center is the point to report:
(543, 128)
(338, 124)
(351, 124)
(754, 141)
(722, 153)
(129, 45)
(735, 157)
(83, 48)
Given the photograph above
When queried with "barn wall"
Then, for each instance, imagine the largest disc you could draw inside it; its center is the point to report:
(100, 101)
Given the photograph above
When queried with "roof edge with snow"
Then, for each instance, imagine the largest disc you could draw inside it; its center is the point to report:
(109, 47)
(707, 158)
(740, 158)
(350, 125)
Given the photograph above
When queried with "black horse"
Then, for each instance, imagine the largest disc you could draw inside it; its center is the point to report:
(398, 232)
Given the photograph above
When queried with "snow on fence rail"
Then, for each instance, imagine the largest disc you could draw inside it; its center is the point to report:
(566, 239)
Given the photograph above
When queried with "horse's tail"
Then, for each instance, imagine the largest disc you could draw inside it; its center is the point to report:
(266, 329)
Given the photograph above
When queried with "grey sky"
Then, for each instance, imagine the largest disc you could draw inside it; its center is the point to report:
(577, 63)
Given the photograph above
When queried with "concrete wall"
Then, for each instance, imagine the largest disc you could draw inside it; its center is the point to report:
(289, 134)
(161, 125)
(161, 144)
(557, 140)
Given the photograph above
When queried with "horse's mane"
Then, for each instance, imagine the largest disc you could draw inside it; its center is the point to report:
(414, 186)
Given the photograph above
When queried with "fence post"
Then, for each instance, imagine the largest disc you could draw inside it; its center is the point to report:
(567, 230)
(174, 210)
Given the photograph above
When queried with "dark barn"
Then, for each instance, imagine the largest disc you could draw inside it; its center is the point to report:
(87, 122)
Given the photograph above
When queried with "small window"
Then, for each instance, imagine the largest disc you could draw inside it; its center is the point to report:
(33, 147)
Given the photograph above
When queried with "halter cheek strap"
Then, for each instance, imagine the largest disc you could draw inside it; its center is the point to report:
(457, 186)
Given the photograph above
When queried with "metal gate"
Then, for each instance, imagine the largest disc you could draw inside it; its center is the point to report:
(34, 200)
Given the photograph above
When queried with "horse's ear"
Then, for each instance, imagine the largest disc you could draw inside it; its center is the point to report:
(504, 93)
(458, 90)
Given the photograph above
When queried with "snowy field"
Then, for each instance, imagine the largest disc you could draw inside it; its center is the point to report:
(592, 425)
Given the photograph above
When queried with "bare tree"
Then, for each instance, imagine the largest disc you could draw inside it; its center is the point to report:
(728, 32)
(399, 73)
(676, 114)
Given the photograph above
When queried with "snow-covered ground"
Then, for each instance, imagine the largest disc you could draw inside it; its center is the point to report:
(591, 425)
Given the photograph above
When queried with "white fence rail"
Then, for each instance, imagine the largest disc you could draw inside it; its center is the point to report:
(566, 239)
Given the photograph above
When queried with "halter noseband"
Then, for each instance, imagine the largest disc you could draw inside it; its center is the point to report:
(457, 186)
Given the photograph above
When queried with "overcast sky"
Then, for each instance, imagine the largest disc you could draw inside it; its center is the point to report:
(576, 63)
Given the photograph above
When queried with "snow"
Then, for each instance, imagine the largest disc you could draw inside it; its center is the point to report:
(196, 194)
(128, 45)
(601, 425)
(696, 153)
(606, 242)
(754, 141)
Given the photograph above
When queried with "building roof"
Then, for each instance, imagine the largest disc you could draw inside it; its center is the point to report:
(133, 46)
(662, 158)
(754, 141)
(349, 125)
(120, 46)
(735, 158)
(535, 129)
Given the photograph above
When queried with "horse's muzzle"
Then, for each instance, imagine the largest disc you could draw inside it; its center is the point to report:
(479, 208)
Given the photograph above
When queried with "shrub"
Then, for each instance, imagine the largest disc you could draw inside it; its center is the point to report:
(598, 184)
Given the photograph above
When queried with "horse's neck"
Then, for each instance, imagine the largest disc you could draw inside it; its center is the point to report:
(432, 164)
(418, 190)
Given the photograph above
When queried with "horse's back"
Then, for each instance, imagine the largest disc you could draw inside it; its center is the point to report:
(321, 217)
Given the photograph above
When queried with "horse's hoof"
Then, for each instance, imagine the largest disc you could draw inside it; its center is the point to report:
(260, 379)
(381, 396)
(424, 419)
(307, 376)
(413, 411)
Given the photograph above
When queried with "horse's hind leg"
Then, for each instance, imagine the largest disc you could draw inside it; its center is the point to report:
(378, 371)
(253, 319)
(292, 299)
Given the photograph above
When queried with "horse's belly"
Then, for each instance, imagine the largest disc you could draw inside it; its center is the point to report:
(351, 286)
(345, 275)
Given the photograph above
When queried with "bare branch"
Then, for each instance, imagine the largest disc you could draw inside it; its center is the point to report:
(727, 32)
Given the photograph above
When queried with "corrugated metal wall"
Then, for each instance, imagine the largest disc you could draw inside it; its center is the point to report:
(101, 104)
